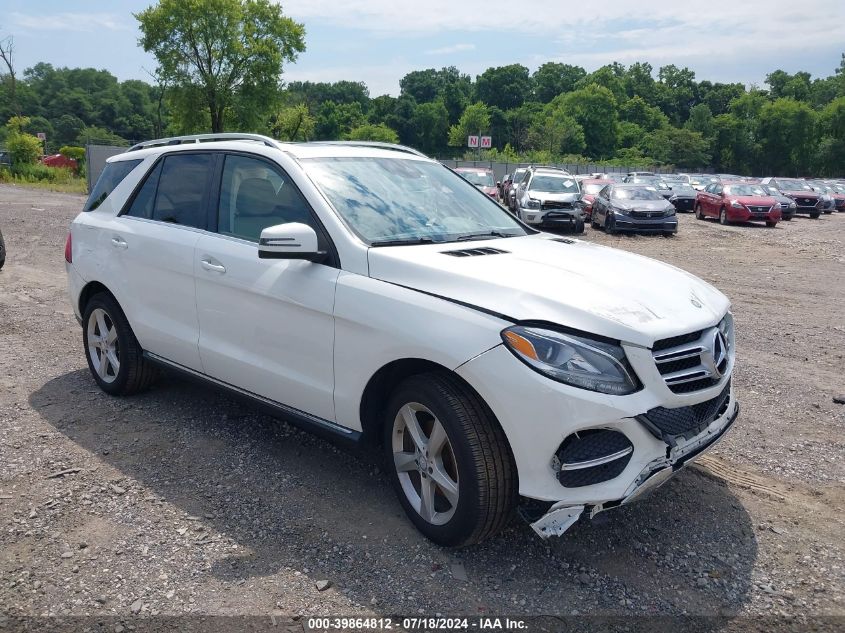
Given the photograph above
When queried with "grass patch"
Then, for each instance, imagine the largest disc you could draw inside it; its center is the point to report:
(44, 178)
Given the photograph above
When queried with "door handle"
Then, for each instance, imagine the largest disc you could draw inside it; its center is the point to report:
(119, 242)
(210, 265)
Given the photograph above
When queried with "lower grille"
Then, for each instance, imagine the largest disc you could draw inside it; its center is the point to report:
(591, 457)
(549, 204)
(759, 209)
(688, 421)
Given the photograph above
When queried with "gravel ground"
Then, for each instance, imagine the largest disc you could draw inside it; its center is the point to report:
(183, 501)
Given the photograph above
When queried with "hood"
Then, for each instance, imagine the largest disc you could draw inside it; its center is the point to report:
(800, 193)
(591, 288)
(754, 201)
(489, 190)
(640, 205)
(542, 196)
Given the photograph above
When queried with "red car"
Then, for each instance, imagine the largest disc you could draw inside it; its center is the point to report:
(57, 160)
(590, 188)
(737, 202)
(482, 178)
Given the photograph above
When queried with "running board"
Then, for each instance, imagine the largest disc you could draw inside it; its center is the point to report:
(311, 423)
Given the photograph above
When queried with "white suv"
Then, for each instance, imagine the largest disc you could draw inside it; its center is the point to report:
(367, 293)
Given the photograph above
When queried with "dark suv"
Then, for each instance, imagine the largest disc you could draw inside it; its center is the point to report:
(806, 200)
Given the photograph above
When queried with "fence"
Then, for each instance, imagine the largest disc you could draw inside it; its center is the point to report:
(502, 168)
(95, 160)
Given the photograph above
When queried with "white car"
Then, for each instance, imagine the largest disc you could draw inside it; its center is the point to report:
(367, 293)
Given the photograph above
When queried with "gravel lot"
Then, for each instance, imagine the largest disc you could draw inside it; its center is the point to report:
(183, 501)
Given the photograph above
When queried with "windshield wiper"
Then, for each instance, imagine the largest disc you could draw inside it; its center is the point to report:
(408, 241)
(482, 236)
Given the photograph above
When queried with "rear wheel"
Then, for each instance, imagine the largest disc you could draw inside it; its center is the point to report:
(449, 461)
(114, 356)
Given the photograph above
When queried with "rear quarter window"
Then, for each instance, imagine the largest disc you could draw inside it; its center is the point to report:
(112, 176)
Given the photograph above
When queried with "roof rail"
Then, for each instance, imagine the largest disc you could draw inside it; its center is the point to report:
(555, 167)
(200, 138)
(377, 144)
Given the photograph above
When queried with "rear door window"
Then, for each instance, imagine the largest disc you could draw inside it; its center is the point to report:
(111, 177)
(182, 187)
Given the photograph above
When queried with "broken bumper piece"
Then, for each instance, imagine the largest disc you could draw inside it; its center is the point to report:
(560, 517)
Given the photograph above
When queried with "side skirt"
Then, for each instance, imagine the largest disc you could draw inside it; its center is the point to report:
(311, 423)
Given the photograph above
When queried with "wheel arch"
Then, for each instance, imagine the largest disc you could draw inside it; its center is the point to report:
(384, 382)
(89, 290)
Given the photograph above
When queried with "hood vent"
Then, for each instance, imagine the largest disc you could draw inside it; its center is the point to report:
(474, 252)
(563, 240)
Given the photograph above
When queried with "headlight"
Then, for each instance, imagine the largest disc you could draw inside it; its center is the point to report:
(574, 360)
(792, 205)
(532, 204)
(669, 211)
(735, 204)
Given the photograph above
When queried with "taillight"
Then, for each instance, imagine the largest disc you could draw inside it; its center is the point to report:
(69, 249)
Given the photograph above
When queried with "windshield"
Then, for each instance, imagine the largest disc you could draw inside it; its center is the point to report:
(794, 185)
(553, 184)
(387, 199)
(674, 178)
(635, 193)
(703, 180)
(744, 190)
(480, 178)
(594, 187)
(654, 181)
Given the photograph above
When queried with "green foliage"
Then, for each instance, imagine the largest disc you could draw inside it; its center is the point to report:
(23, 148)
(335, 120)
(648, 117)
(474, 120)
(76, 153)
(787, 130)
(234, 50)
(293, 123)
(370, 132)
(93, 135)
(555, 131)
(505, 86)
(594, 109)
(552, 79)
(680, 147)
(431, 122)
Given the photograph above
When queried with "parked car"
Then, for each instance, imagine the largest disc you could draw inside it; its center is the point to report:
(700, 181)
(787, 205)
(682, 196)
(737, 202)
(631, 207)
(550, 198)
(839, 188)
(2, 250)
(673, 179)
(806, 200)
(367, 293)
(833, 200)
(590, 188)
(655, 182)
(480, 177)
(58, 160)
(510, 190)
(5, 159)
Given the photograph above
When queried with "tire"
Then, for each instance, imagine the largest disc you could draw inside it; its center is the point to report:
(787, 218)
(2, 261)
(771, 225)
(815, 215)
(698, 213)
(723, 217)
(609, 224)
(579, 227)
(133, 373)
(480, 491)
(669, 234)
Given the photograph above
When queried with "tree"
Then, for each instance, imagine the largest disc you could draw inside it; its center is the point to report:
(594, 108)
(24, 148)
(225, 47)
(553, 78)
(370, 132)
(7, 53)
(505, 87)
(639, 82)
(293, 123)
(474, 120)
(788, 136)
(701, 120)
(680, 92)
(557, 132)
(335, 120)
(431, 122)
(610, 77)
(648, 117)
(680, 147)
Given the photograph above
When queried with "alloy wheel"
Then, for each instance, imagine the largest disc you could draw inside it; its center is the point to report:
(425, 463)
(103, 345)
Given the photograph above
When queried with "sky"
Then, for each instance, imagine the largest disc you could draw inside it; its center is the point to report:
(379, 41)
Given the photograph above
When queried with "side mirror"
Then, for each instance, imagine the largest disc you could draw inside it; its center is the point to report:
(290, 241)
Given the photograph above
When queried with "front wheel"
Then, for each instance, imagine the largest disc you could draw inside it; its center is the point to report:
(609, 224)
(114, 356)
(698, 213)
(815, 215)
(723, 216)
(449, 461)
(579, 226)
(771, 225)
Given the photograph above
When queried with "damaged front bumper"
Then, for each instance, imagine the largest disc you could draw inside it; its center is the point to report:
(562, 515)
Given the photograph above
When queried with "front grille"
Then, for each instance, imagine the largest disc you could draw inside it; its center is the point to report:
(687, 421)
(683, 204)
(695, 361)
(646, 214)
(759, 209)
(552, 204)
(806, 202)
(591, 457)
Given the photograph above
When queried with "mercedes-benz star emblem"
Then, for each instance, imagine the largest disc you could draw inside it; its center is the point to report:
(714, 357)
